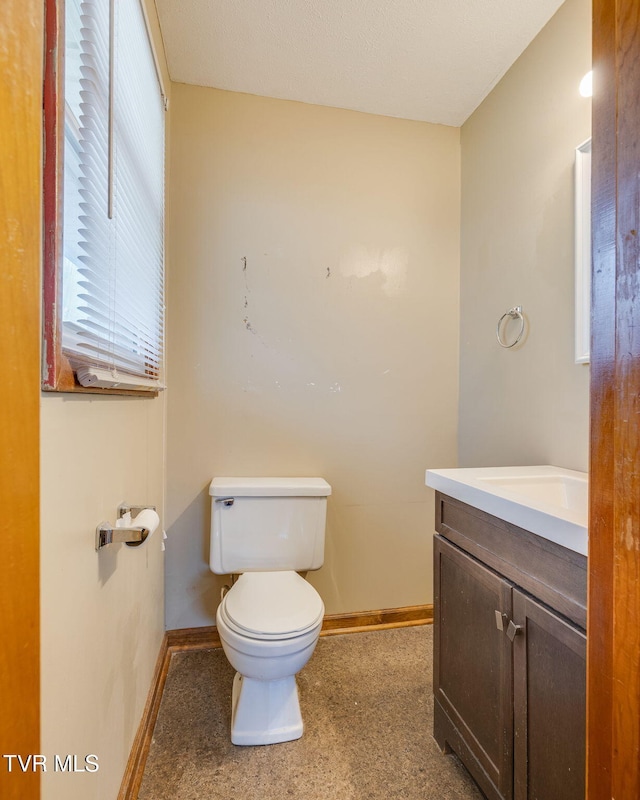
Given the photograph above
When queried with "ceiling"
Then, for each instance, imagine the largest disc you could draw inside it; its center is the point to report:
(430, 60)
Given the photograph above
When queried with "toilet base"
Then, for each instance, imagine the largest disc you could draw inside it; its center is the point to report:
(265, 712)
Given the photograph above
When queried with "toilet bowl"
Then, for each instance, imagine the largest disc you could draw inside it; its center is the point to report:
(269, 624)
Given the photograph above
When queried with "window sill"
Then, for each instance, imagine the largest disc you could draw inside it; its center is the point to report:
(65, 381)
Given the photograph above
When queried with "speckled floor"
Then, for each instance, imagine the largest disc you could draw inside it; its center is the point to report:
(367, 705)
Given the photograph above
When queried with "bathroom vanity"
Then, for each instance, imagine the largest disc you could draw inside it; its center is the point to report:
(509, 638)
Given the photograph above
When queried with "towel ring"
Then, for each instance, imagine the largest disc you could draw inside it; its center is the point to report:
(514, 313)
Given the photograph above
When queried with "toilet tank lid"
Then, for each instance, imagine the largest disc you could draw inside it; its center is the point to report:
(269, 487)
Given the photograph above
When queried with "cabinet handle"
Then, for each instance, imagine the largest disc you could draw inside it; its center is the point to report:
(513, 630)
(500, 620)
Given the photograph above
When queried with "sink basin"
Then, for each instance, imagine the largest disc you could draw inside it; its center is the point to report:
(549, 501)
(564, 491)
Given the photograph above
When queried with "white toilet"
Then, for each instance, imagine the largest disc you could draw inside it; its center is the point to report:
(269, 622)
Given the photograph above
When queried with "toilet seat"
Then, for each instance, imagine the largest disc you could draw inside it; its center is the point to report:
(272, 606)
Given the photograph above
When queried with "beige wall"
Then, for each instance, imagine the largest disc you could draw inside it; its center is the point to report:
(101, 614)
(530, 404)
(333, 353)
(102, 618)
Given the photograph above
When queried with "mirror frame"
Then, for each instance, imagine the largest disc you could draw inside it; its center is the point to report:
(582, 252)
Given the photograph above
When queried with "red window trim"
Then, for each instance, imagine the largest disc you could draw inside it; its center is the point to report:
(57, 374)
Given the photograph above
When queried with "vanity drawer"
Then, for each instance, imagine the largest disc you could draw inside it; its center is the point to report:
(552, 573)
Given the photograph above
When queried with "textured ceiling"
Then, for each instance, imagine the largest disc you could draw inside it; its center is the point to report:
(431, 60)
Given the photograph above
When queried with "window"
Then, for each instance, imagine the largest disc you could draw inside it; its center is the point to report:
(104, 200)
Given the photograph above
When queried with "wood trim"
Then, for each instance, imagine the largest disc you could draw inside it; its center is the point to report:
(56, 371)
(381, 620)
(206, 638)
(601, 468)
(21, 22)
(140, 749)
(613, 661)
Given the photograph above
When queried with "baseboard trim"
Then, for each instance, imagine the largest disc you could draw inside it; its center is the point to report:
(380, 620)
(134, 770)
(206, 638)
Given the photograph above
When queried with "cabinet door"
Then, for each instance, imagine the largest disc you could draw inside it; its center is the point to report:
(472, 668)
(549, 663)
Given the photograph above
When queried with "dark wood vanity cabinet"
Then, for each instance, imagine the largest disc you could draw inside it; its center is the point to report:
(549, 704)
(509, 655)
(472, 670)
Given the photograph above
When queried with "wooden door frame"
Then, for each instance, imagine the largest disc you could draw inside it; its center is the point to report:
(20, 259)
(613, 662)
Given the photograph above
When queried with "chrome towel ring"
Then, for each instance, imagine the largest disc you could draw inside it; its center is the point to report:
(514, 313)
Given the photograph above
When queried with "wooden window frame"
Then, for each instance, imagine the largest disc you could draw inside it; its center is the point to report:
(57, 373)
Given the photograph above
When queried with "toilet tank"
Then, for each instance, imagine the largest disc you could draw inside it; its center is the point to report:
(267, 524)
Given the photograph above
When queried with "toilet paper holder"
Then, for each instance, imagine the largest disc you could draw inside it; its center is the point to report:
(125, 508)
(132, 536)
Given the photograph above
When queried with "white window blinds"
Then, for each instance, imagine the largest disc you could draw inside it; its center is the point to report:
(113, 228)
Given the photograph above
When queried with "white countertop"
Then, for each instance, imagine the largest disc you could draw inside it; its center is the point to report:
(551, 502)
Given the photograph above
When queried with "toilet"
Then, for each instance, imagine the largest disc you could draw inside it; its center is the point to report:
(268, 530)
